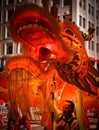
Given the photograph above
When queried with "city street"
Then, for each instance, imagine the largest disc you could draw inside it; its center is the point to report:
(5, 111)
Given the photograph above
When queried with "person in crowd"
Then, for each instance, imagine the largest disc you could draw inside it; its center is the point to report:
(1, 117)
(65, 119)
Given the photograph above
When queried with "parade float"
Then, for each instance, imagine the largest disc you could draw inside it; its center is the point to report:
(54, 60)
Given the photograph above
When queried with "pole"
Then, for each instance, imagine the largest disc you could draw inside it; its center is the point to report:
(53, 97)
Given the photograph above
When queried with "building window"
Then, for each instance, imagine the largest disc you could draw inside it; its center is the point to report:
(84, 4)
(92, 25)
(89, 45)
(97, 1)
(0, 3)
(89, 24)
(9, 48)
(8, 34)
(98, 66)
(80, 3)
(10, 13)
(0, 66)
(97, 14)
(18, 1)
(89, 8)
(92, 11)
(92, 45)
(67, 2)
(0, 34)
(2, 51)
(84, 23)
(4, 3)
(5, 16)
(0, 16)
(80, 20)
(3, 32)
(10, 1)
(97, 31)
(97, 47)
(59, 18)
(56, 2)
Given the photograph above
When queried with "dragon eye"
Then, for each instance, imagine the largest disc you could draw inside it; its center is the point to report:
(69, 32)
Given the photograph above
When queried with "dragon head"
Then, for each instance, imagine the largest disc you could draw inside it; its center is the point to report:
(39, 33)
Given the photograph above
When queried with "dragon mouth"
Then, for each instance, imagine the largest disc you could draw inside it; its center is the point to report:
(39, 33)
(35, 33)
(32, 23)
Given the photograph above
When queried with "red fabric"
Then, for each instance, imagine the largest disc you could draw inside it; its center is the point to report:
(23, 121)
(3, 87)
(3, 81)
(0, 117)
(4, 96)
(46, 119)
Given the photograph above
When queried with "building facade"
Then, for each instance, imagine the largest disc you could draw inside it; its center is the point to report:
(85, 13)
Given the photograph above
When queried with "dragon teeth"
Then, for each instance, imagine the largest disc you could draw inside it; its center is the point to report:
(31, 26)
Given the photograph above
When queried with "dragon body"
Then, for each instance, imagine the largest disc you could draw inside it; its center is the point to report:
(49, 47)
(80, 73)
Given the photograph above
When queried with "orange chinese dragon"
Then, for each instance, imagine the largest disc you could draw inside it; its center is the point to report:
(49, 48)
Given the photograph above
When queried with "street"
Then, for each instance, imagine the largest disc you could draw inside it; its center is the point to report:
(5, 111)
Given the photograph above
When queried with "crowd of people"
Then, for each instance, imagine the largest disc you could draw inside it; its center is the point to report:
(64, 119)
